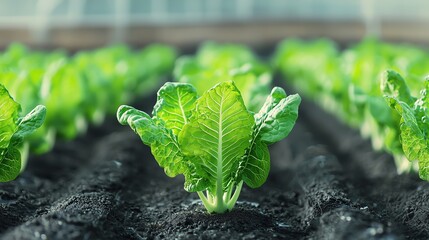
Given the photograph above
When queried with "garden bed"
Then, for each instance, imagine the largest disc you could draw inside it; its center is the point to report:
(325, 183)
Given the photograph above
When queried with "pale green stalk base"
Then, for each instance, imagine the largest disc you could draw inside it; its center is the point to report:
(222, 201)
(47, 143)
(24, 150)
(81, 123)
(98, 117)
(403, 165)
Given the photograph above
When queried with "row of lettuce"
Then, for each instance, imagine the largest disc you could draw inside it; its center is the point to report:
(68, 93)
(377, 87)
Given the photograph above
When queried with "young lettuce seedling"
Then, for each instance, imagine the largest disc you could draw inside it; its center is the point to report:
(13, 130)
(213, 140)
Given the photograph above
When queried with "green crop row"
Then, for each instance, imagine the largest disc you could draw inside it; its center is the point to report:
(77, 90)
(363, 85)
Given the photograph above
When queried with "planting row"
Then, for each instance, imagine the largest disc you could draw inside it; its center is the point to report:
(75, 90)
(363, 85)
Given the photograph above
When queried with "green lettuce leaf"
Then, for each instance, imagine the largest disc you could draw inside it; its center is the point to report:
(219, 131)
(175, 104)
(13, 130)
(8, 117)
(414, 124)
(274, 122)
(172, 110)
(255, 165)
(414, 136)
(153, 133)
(393, 85)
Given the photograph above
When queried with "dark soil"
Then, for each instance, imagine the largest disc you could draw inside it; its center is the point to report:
(325, 183)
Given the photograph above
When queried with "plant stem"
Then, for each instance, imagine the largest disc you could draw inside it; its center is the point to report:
(222, 201)
(231, 202)
(24, 149)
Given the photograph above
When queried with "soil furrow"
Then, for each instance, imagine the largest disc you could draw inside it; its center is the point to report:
(84, 203)
(400, 199)
(331, 209)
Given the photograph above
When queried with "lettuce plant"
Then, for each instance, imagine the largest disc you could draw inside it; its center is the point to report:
(13, 130)
(414, 119)
(213, 140)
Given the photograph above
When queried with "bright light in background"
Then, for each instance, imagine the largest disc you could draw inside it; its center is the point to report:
(39, 17)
